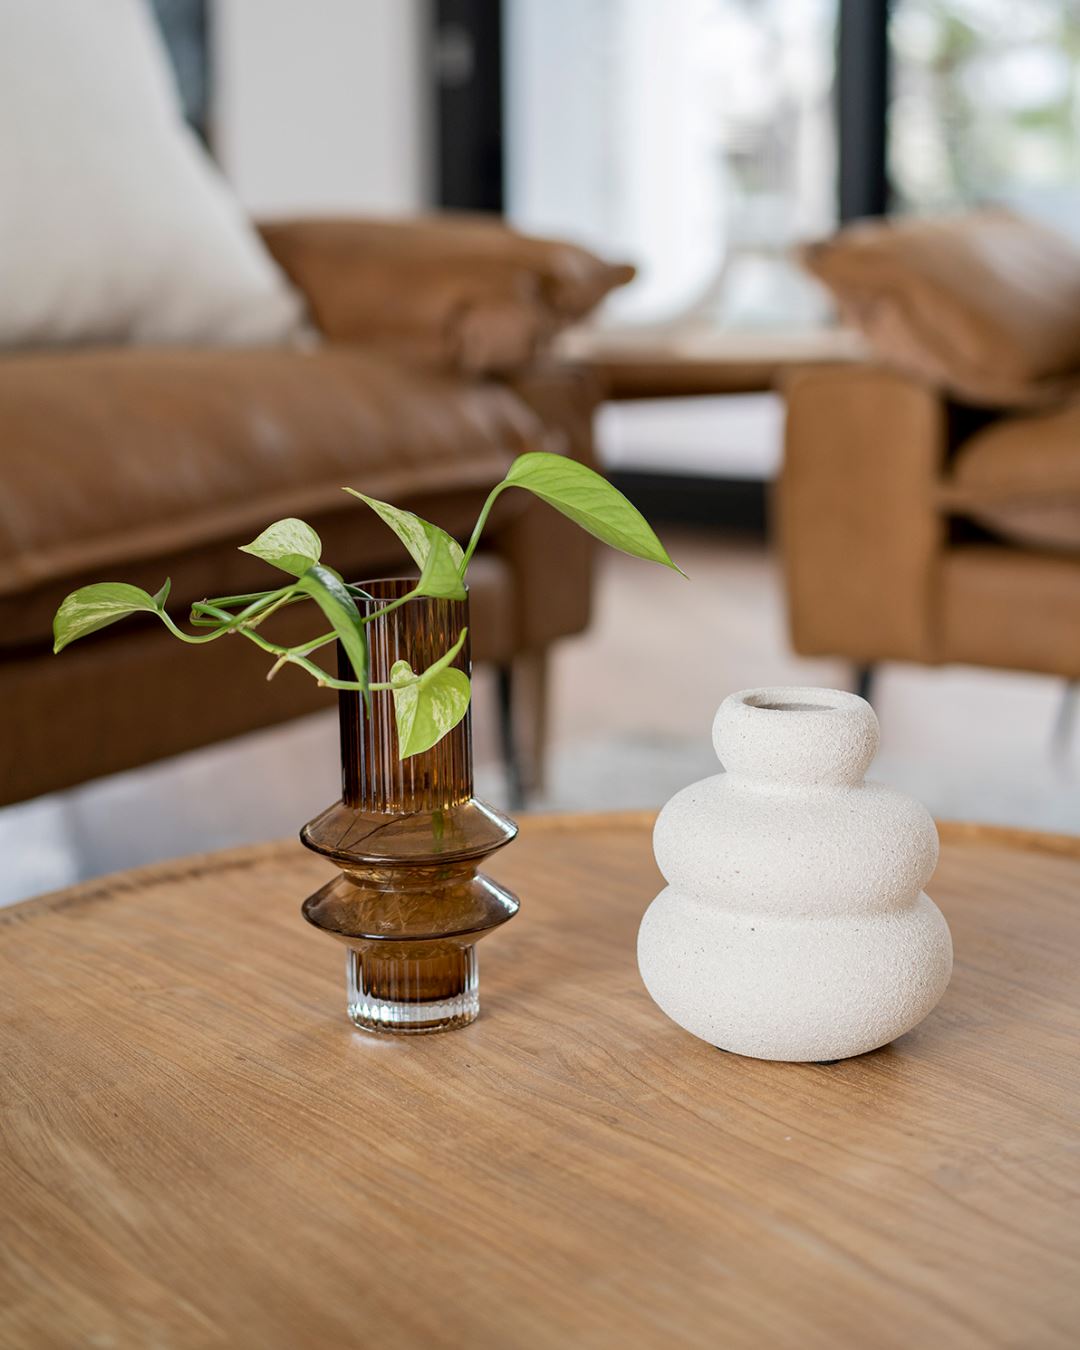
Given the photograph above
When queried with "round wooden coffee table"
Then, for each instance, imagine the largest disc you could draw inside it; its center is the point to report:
(199, 1150)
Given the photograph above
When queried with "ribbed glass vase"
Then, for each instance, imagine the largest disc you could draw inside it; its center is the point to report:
(408, 836)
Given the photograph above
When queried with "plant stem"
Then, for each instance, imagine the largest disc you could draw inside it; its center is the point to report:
(386, 609)
(313, 646)
(289, 654)
(191, 637)
(268, 602)
(262, 604)
(293, 655)
(229, 623)
(481, 521)
(225, 600)
(288, 598)
(303, 649)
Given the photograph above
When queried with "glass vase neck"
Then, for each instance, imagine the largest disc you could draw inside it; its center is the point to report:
(374, 778)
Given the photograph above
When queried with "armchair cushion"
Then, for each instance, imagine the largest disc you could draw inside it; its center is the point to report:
(462, 293)
(985, 305)
(1020, 477)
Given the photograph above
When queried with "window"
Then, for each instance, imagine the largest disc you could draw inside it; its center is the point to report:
(986, 105)
(696, 139)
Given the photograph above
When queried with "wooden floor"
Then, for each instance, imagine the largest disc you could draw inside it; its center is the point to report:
(634, 700)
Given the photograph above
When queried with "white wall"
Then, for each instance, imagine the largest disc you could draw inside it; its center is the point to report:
(321, 105)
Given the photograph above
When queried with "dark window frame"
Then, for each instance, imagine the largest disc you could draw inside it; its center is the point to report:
(467, 69)
(863, 79)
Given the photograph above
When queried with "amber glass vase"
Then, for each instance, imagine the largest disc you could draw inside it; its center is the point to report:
(408, 836)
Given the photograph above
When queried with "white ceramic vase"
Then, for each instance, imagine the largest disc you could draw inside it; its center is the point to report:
(794, 925)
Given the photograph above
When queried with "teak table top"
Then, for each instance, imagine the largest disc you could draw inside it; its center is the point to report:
(199, 1150)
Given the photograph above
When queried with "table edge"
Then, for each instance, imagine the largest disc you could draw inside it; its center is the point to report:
(193, 865)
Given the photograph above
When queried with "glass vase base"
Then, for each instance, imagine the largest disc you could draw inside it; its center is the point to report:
(414, 1019)
(412, 997)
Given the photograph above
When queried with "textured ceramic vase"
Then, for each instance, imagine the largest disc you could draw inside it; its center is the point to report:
(794, 925)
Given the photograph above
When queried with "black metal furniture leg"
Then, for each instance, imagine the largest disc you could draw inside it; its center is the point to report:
(515, 782)
(864, 682)
(1065, 721)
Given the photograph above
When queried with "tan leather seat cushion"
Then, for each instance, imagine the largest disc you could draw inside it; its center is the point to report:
(985, 305)
(1009, 608)
(133, 465)
(1020, 477)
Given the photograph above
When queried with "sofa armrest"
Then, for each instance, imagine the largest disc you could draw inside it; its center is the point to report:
(860, 530)
(460, 293)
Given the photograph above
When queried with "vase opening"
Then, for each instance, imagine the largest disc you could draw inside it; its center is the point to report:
(772, 703)
(791, 707)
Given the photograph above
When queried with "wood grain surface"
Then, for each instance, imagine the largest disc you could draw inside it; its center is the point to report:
(198, 1150)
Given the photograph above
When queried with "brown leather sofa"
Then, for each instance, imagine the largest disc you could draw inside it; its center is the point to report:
(929, 505)
(138, 464)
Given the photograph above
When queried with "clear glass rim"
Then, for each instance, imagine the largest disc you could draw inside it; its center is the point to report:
(383, 589)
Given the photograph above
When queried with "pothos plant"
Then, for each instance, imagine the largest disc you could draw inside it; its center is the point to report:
(429, 703)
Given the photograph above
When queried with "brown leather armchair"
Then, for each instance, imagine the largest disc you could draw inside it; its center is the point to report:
(137, 464)
(907, 535)
(929, 505)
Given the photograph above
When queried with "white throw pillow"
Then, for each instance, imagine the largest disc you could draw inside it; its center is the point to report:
(115, 226)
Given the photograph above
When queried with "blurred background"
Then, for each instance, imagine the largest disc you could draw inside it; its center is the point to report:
(866, 459)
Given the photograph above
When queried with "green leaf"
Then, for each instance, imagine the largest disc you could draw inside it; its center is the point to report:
(425, 713)
(441, 576)
(329, 593)
(427, 706)
(289, 544)
(590, 501)
(93, 607)
(416, 534)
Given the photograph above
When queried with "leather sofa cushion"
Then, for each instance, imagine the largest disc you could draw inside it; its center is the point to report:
(455, 292)
(133, 465)
(1020, 477)
(1009, 608)
(985, 305)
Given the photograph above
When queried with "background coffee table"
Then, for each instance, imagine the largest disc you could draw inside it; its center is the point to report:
(678, 362)
(198, 1149)
(681, 467)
